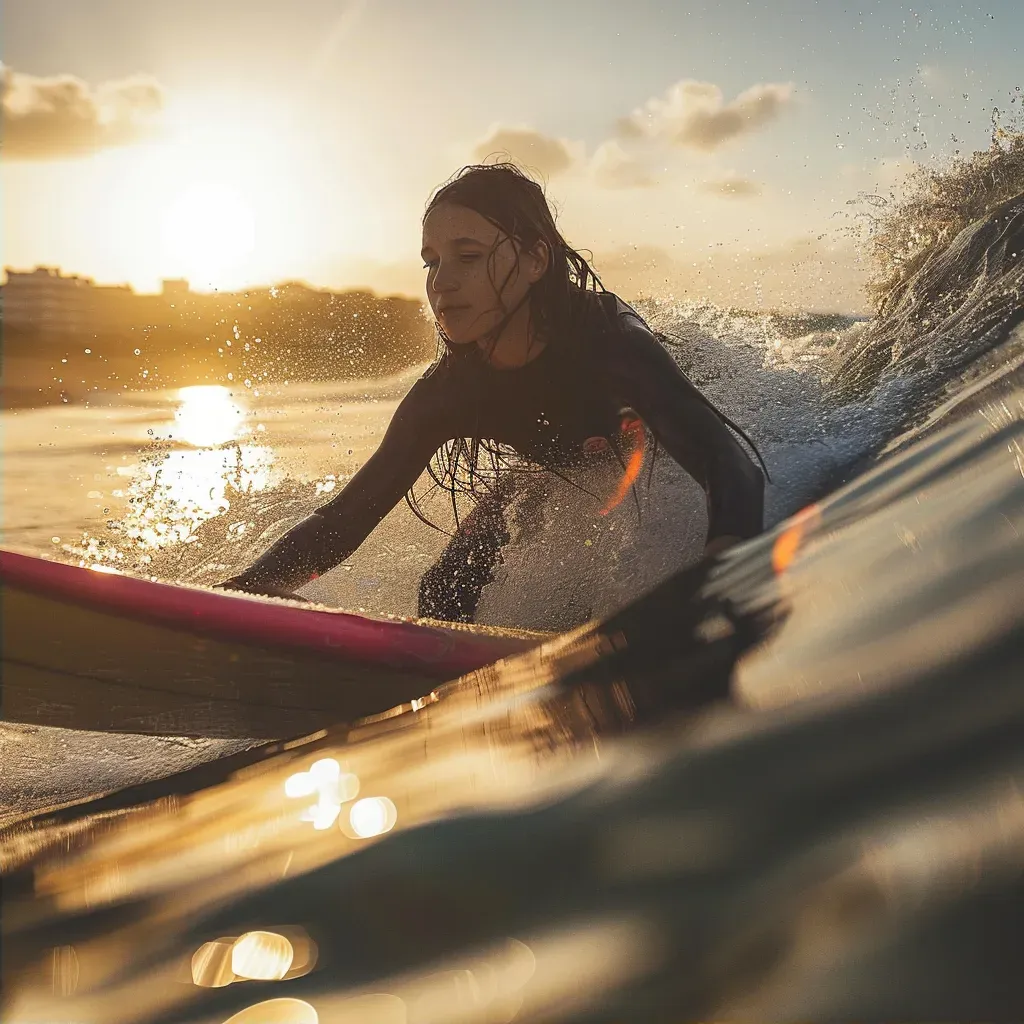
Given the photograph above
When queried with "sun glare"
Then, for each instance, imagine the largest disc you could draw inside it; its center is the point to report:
(209, 232)
(207, 415)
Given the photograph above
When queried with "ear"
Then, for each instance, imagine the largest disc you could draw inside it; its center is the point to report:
(538, 259)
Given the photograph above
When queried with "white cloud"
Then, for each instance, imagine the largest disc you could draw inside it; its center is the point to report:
(62, 116)
(613, 167)
(695, 114)
(528, 148)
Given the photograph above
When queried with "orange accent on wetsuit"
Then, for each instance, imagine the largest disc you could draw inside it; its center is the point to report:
(632, 428)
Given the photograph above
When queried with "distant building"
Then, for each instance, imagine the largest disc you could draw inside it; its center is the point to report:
(175, 288)
(45, 300)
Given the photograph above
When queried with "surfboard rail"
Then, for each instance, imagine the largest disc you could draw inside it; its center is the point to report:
(442, 649)
(90, 648)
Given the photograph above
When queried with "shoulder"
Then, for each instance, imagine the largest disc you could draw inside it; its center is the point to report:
(620, 334)
(443, 376)
(628, 321)
(607, 314)
(431, 397)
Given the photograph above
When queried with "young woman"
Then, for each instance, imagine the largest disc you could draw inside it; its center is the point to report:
(540, 367)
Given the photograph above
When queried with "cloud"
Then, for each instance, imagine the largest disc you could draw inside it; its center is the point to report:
(731, 188)
(527, 147)
(613, 167)
(695, 115)
(62, 117)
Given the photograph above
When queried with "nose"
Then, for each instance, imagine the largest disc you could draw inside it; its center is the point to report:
(444, 278)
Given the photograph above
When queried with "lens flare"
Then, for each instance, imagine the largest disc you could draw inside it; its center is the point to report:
(372, 816)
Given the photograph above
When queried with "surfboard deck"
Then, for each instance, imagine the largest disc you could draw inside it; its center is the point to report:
(87, 648)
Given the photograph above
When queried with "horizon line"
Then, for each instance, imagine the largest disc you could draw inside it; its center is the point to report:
(58, 272)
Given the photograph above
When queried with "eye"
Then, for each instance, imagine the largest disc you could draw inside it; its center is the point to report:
(469, 257)
(429, 265)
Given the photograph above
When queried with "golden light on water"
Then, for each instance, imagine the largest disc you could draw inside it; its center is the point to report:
(332, 787)
(65, 970)
(262, 956)
(109, 570)
(372, 816)
(207, 415)
(171, 496)
(277, 1011)
(211, 964)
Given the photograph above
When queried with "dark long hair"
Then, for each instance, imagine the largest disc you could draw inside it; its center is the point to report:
(516, 205)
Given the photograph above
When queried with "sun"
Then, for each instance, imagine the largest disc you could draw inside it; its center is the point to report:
(209, 232)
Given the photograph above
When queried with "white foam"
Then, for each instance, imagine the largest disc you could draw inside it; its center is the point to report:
(769, 384)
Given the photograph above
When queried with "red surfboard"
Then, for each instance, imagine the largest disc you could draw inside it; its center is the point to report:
(90, 648)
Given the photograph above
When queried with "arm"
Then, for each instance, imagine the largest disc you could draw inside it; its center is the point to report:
(649, 380)
(331, 533)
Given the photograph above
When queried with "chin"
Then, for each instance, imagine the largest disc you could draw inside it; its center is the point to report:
(459, 340)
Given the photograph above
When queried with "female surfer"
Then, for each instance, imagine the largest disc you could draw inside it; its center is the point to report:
(540, 367)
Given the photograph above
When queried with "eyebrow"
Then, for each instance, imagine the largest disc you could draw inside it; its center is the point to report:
(464, 240)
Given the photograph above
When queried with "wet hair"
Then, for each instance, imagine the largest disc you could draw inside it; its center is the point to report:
(516, 205)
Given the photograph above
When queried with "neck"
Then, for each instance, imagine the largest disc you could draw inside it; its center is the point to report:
(517, 344)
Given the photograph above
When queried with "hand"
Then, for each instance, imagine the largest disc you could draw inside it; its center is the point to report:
(231, 584)
(720, 544)
(235, 584)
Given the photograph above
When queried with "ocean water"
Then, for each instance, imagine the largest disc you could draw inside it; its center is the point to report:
(787, 783)
(191, 484)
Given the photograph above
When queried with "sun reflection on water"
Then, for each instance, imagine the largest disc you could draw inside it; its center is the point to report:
(171, 491)
(207, 415)
(171, 495)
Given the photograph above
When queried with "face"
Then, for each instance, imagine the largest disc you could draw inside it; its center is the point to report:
(473, 279)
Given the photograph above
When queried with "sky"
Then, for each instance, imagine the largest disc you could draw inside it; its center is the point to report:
(697, 149)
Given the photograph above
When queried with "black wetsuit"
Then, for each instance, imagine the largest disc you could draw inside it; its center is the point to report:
(554, 410)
